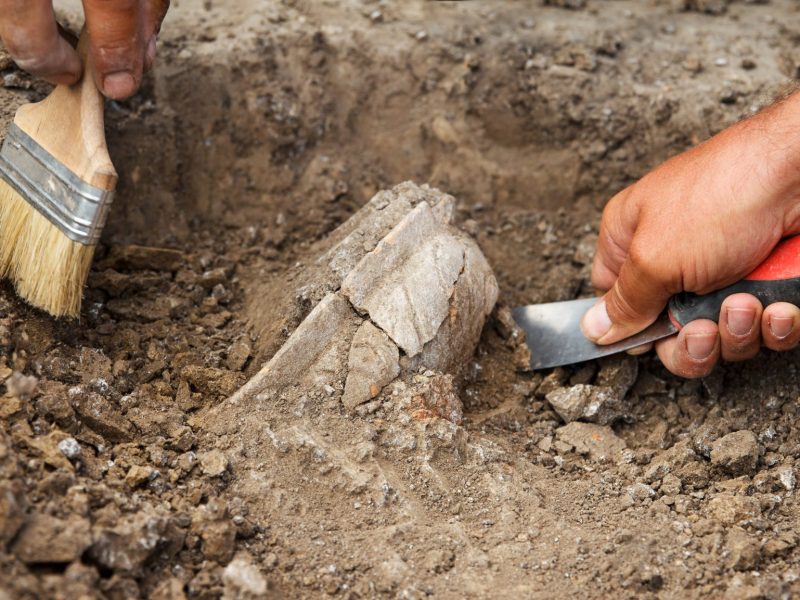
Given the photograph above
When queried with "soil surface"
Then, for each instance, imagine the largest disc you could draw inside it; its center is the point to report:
(265, 126)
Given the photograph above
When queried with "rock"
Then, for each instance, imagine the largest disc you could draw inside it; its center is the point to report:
(70, 448)
(138, 475)
(218, 540)
(12, 511)
(243, 580)
(707, 434)
(618, 373)
(780, 545)
(599, 442)
(639, 492)
(670, 461)
(472, 301)
(373, 362)
(100, 415)
(313, 355)
(437, 397)
(214, 463)
(238, 354)
(587, 402)
(21, 386)
(671, 485)
(787, 478)
(144, 257)
(136, 540)
(744, 553)
(405, 283)
(211, 380)
(48, 540)
(736, 453)
(729, 509)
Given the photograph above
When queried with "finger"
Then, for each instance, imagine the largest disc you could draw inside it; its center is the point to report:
(634, 302)
(740, 327)
(116, 31)
(616, 231)
(780, 326)
(29, 31)
(155, 11)
(693, 352)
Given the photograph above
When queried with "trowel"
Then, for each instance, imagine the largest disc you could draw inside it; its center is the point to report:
(554, 337)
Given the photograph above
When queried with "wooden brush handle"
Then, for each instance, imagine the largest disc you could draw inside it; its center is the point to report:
(69, 125)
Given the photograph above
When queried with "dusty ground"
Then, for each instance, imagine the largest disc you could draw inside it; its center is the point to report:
(267, 124)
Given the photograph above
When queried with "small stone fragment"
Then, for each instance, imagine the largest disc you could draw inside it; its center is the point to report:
(101, 415)
(373, 362)
(47, 539)
(214, 463)
(787, 478)
(138, 475)
(736, 453)
(218, 540)
(588, 402)
(780, 545)
(437, 397)
(21, 386)
(136, 540)
(729, 509)
(744, 553)
(238, 354)
(70, 448)
(599, 442)
(243, 580)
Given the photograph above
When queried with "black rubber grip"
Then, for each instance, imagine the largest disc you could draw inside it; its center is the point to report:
(687, 307)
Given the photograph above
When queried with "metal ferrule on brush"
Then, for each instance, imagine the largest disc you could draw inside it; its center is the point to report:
(77, 208)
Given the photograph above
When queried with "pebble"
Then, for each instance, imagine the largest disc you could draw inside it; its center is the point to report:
(138, 475)
(736, 453)
(50, 540)
(744, 553)
(214, 463)
(787, 478)
(70, 448)
(243, 580)
(721, 61)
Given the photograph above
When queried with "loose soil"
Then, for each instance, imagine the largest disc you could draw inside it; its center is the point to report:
(267, 124)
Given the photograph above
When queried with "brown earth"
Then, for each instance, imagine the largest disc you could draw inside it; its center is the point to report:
(267, 124)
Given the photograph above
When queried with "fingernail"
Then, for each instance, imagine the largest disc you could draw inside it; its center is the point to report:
(596, 322)
(740, 320)
(700, 345)
(781, 327)
(119, 85)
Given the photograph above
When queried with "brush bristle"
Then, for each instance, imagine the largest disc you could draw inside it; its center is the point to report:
(13, 216)
(47, 268)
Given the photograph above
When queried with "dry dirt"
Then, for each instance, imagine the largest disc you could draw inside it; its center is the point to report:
(266, 124)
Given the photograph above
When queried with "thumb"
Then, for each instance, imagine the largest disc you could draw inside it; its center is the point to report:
(115, 30)
(634, 302)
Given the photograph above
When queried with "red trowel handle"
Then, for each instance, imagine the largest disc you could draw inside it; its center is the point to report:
(777, 279)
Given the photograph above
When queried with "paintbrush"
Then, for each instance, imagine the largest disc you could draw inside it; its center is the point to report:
(56, 185)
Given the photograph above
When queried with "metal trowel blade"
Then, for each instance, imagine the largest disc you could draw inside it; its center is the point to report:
(554, 337)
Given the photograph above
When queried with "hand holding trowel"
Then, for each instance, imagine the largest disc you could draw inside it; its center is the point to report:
(701, 222)
(553, 332)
